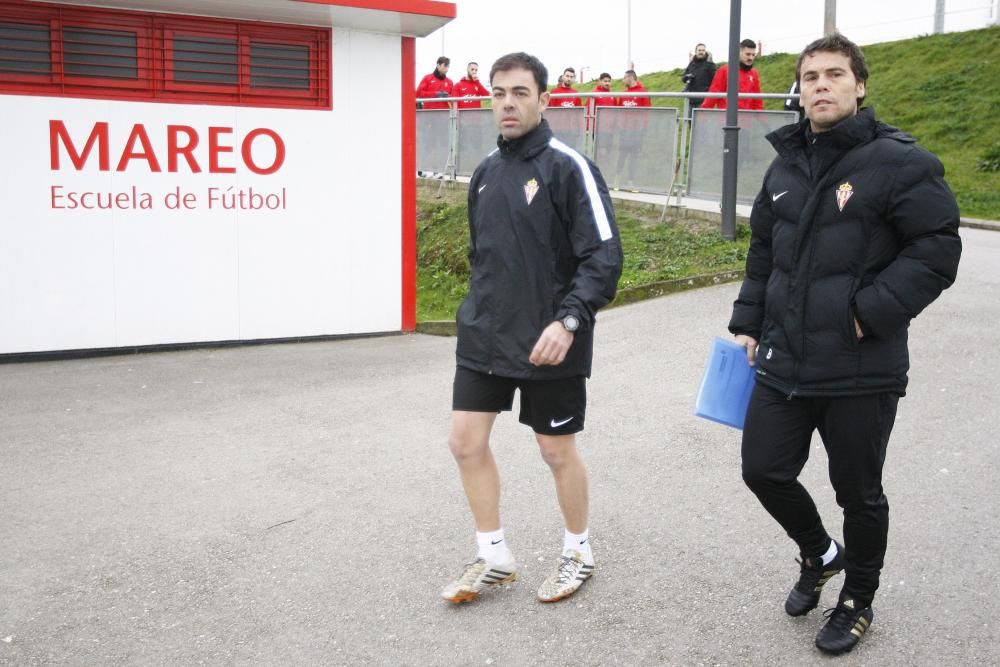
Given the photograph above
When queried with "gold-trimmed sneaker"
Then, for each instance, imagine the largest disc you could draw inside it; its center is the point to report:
(569, 575)
(847, 625)
(813, 575)
(476, 577)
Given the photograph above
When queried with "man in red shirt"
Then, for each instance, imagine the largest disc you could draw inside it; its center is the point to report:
(749, 81)
(603, 143)
(566, 87)
(604, 86)
(631, 127)
(436, 84)
(633, 86)
(470, 86)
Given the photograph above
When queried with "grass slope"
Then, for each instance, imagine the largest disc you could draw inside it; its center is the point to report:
(942, 89)
(653, 252)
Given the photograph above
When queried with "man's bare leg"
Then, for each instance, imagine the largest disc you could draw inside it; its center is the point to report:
(469, 442)
(494, 565)
(576, 562)
(570, 473)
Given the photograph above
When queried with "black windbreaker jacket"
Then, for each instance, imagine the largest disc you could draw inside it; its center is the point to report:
(543, 244)
(858, 223)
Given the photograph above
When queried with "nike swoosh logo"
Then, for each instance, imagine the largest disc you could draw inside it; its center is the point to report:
(584, 542)
(555, 424)
(482, 187)
(777, 196)
(497, 542)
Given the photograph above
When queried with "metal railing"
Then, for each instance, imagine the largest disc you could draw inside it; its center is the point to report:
(656, 150)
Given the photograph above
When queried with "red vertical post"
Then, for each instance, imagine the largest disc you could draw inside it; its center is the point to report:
(408, 180)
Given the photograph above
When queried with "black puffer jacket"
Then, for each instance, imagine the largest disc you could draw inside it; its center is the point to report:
(543, 244)
(697, 77)
(855, 222)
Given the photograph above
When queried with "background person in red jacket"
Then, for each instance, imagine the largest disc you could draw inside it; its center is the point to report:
(470, 86)
(436, 84)
(632, 121)
(606, 99)
(565, 86)
(604, 86)
(749, 80)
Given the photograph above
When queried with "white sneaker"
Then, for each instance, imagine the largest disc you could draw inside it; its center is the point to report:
(569, 575)
(477, 577)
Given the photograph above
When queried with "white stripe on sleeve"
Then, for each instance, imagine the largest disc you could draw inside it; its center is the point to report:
(600, 215)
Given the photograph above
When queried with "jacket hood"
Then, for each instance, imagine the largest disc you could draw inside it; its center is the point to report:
(528, 145)
(859, 129)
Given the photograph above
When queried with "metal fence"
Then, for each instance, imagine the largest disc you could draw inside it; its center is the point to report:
(630, 144)
(657, 150)
(704, 164)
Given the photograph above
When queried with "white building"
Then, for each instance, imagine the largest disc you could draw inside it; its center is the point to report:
(188, 171)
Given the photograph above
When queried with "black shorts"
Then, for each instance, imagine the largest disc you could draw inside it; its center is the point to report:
(550, 407)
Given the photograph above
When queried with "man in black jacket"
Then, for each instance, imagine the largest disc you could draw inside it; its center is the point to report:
(698, 75)
(853, 234)
(545, 256)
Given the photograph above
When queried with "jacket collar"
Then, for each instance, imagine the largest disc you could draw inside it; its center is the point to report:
(848, 133)
(529, 145)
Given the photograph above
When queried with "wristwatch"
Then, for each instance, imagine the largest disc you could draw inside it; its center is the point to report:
(571, 323)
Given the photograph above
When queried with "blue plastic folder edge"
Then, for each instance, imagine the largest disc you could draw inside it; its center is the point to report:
(726, 386)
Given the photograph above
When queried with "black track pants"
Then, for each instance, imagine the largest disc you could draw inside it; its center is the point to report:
(855, 432)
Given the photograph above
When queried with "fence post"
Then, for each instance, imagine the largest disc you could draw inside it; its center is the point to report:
(731, 137)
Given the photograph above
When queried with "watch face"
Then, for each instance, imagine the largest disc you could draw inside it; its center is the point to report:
(571, 323)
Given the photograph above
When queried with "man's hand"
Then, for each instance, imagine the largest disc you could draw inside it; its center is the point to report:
(857, 329)
(552, 346)
(751, 345)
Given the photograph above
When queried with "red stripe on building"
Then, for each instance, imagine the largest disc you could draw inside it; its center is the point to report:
(423, 7)
(408, 162)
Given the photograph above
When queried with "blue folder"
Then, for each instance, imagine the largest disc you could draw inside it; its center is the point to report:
(726, 386)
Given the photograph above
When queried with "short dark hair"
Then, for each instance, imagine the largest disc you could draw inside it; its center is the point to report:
(472, 62)
(522, 60)
(569, 69)
(632, 72)
(604, 75)
(748, 44)
(837, 43)
(443, 60)
(700, 44)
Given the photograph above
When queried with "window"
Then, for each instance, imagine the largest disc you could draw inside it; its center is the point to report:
(279, 66)
(54, 50)
(24, 48)
(111, 54)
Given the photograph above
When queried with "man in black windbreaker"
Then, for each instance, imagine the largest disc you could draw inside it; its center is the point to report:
(698, 75)
(853, 234)
(545, 256)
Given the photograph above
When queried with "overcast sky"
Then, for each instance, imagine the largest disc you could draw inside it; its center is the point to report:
(593, 34)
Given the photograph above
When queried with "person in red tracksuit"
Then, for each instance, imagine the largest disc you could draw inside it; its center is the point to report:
(602, 144)
(749, 81)
(631, 126)
(566, 87)
(436, 84)
(604, 86)
(470, 86)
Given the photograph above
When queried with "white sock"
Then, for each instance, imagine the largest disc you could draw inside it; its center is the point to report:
(579, 543)
(493, 547)
(830, 554)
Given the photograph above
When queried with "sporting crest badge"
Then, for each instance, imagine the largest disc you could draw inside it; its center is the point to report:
(844, 193)
(530, 190)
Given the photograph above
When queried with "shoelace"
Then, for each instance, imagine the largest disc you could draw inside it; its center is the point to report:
(472, 572)
(808, 576)
(841, 618)
(567, 571)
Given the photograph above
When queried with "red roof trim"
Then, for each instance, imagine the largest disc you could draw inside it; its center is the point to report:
(423, 7)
